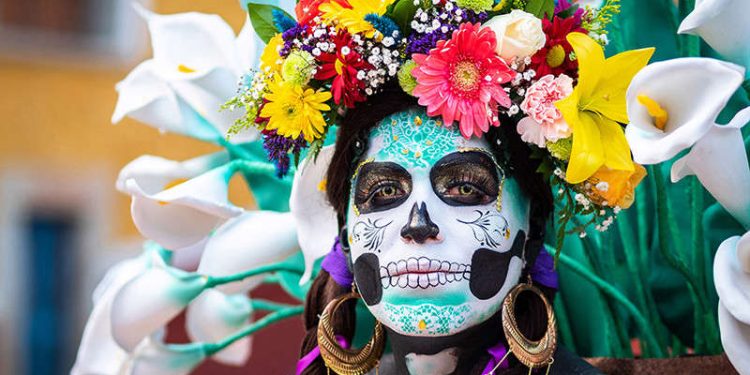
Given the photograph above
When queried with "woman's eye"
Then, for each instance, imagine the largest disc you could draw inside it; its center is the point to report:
(466, 190)
(467, 194)
(387, 194)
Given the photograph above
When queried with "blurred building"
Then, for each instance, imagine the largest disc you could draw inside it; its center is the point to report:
(62, 223)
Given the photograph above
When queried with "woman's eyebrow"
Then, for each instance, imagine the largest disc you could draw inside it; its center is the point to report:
(466, 157)
(383, 168)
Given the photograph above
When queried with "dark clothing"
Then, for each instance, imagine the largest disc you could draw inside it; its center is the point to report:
(566, 363)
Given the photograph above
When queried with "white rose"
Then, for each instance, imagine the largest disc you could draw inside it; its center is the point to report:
(519, 34)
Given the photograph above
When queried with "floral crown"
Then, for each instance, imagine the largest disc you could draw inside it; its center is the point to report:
(538, 65)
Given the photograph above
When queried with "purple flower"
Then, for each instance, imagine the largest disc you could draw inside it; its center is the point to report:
(279, 148)
(423, 42)
(562, 9)
(561, 6)
(296, 33)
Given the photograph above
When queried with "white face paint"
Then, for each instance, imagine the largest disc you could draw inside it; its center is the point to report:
(432, 253)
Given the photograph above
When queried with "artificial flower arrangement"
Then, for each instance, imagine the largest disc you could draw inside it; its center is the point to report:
(473, 64)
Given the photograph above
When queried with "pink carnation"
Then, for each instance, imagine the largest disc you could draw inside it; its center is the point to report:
(544, 122)
(461, 80)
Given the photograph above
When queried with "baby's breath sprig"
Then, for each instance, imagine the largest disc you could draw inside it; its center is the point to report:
(250, 91)
(517, 87)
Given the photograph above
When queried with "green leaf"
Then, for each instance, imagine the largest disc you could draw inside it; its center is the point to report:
(261, 16)
(540, 8)
(569, 12)
(403, 13)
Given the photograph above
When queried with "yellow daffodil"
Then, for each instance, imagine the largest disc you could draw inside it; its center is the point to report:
(292, 109)
(270, 60)
(350, 14)
(597, 105)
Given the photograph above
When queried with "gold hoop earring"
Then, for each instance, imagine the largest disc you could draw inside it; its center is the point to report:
(347, 361)
(532, 353)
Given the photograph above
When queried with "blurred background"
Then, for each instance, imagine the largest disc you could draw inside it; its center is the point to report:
(62, 223)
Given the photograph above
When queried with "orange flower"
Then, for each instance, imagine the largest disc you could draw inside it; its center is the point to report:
(616, 187)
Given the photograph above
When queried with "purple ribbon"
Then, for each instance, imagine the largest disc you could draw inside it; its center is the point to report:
(497, 353)
(310, 357)
(543, 271)
(336, 265)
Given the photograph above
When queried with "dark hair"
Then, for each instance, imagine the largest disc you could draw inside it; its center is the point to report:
(351, 142)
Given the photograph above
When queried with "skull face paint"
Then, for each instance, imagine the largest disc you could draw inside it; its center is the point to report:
(434, 250)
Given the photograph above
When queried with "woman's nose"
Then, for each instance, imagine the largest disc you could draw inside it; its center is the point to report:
(419, 228)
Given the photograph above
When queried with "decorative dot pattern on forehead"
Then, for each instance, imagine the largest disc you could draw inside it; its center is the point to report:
(413, 139)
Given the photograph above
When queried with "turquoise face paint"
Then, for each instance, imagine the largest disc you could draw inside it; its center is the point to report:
(452, 298)
(413, 139)
(423, 203)
(429, 319)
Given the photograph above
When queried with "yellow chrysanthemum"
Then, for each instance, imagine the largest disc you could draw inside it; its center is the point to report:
(270, 60)
(350, 14)
(292, 110)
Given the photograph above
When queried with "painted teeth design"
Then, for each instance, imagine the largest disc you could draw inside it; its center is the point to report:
(422, 273)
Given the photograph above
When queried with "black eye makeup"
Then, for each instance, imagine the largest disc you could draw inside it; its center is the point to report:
(380, 186)
(465, 179)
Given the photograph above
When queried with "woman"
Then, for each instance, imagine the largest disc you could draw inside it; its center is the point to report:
(440, 209)
(436, 230)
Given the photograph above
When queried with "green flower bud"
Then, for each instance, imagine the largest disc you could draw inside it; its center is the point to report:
(405, 79)
(561, 149)
(298, 67)
(475, 5)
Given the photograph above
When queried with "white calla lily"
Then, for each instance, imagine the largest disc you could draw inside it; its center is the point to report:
(149, 301)
(98, 352)
(734, 340)
(732, 283)
(673, 105)
(720, 162)
(723, 25)
(152, 357)
(315, 218)
(733, 288)
(251, 240)
(188, 258)
(743, 252)
(154, 173)
(214, 316)
(186, 213)
(692, 91)
(196, 66)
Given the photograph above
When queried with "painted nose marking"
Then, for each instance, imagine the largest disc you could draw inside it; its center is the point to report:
(419, 228)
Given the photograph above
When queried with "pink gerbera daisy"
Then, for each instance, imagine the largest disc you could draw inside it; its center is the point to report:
(461, 80)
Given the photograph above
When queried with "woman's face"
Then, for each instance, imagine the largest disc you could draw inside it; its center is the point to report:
(433, 250)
